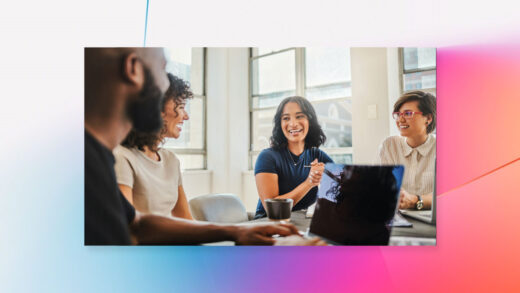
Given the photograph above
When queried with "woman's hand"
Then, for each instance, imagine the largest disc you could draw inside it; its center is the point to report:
(316, 172)
(407, 200)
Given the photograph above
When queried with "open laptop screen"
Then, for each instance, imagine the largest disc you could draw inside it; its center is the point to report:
(355, 203)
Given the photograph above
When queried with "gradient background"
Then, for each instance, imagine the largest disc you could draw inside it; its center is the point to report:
(41, 150)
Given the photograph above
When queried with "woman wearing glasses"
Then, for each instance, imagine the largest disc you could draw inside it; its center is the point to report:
(292, 167)
(415, 115)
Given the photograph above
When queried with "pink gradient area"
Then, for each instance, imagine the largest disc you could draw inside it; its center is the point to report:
(478, 91)
(477, 241)
(478, 102)
(309, 269)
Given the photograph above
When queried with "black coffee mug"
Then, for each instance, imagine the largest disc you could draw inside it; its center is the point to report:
(279, 209)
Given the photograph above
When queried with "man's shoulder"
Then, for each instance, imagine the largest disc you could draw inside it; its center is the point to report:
(92, 146)
(96, 155)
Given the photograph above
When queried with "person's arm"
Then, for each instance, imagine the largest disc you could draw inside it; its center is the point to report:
(127, 192)
(182, 208)
(152, 229)
(409, 201)
(267, 184)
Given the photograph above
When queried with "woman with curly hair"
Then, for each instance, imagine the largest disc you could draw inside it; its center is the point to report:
(282, 171)
(149, 176)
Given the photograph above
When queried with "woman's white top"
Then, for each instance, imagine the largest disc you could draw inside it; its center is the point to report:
(419, 162)
(155, 184)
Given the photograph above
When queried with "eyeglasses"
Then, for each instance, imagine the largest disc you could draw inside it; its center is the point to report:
(407, 115)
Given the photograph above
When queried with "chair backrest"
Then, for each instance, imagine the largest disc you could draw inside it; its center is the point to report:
(219, 208)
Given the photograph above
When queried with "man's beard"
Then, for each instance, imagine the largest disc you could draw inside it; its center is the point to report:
(145, 110)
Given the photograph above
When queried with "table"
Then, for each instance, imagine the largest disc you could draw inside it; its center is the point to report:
(419, 234)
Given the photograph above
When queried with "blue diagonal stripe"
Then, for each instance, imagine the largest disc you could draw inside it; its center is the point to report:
(146, 22)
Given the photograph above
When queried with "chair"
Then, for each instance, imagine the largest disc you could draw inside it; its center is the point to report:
(219, 208)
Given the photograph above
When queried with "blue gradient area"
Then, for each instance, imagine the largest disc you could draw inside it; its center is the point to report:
(146, 22)
(44, 251)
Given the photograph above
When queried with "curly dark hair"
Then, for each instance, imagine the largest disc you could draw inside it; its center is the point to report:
(315, 137)
(427, 104)
(179, 91)
(368, 193)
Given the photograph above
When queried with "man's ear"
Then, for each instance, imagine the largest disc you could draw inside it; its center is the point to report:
(133, 70)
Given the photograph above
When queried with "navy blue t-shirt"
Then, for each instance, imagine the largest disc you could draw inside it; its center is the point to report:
(282, 162)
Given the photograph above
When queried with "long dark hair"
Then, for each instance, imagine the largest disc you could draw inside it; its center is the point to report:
(179, 91)
(315, 137)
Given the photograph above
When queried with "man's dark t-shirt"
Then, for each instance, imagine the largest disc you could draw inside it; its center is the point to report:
(107, 212)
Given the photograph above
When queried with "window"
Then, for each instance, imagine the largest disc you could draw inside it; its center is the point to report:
(419, 69)
(190, 147)
(322, 75)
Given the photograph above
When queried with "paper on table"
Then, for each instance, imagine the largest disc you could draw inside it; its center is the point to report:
(399, 221)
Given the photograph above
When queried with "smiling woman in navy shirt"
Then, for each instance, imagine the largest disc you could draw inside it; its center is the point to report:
(280, 171)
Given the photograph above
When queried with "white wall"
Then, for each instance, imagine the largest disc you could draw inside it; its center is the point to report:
(250, 192)
(197, 182)
(238, 90)
(369, 88)
(375, 81)
(217, 131)
(227, 93)
(394, 85)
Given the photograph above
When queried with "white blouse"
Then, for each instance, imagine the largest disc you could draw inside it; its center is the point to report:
(419, 162)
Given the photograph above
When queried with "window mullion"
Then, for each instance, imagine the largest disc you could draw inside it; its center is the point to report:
(401, 70)
(300, 71)
(251, 111)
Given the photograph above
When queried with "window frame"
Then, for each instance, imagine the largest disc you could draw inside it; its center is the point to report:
(196, 151)
(403, 72)
(300, 90)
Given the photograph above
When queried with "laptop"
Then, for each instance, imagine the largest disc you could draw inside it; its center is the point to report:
(356, 204)
(428, 216)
